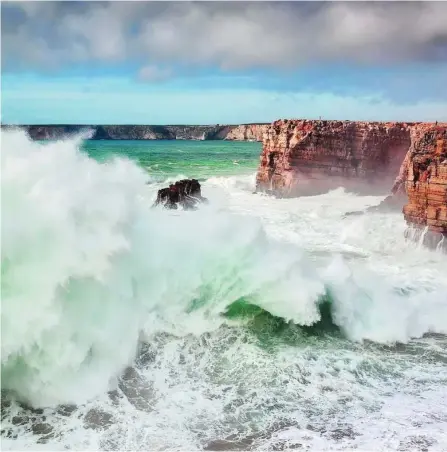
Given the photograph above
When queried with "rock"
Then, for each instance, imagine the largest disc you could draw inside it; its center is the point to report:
(302, 157)
(66, 410)
(424, 176)
(186, 193)
(98, 419)
(42, 428)
(247, 132)
(139, 391)
(392, 203)
(306, 157)
(20, 420)
(226, 445)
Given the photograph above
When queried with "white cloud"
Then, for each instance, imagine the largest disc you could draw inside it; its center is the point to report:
(228, 34)
(153, 73)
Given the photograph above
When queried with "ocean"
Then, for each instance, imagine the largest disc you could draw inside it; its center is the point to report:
(252, 323)
(182, 158)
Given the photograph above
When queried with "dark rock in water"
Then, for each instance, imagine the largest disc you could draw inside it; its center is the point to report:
(392, 203)
(42, 428)
(186, 193)
(98, 419)
(66, 410)
(139, 392)
(20, 420)
(341, 433)
(355, 212)
(231, 443)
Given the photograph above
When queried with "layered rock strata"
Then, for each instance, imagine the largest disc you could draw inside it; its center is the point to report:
(302, 157)
(305, 157)
(249, 132)
(423, 176)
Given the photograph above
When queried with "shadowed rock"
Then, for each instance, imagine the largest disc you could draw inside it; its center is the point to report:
(392, 203)
(186, 193)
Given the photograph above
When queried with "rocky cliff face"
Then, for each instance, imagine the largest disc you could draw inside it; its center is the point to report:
(147, 132)
(304, 157)
(247, 132)
(423, 175)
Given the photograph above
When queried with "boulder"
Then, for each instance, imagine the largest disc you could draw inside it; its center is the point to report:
(186, 193)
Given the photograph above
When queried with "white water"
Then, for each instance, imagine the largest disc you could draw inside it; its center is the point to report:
(88, 270)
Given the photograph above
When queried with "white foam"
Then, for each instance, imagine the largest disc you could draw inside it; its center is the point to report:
(88, 268)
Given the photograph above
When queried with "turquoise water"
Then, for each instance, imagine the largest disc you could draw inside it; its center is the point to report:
(198, 159)
(252, 323)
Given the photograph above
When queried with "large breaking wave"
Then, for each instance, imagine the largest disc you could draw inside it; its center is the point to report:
(89, 270)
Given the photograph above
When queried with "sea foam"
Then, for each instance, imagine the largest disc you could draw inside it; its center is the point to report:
(89, 270)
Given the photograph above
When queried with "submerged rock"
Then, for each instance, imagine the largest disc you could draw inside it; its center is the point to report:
(392, 203)
(98, 419)
(186, 192)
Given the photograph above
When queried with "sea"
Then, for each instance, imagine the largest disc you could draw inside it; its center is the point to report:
(251, 323)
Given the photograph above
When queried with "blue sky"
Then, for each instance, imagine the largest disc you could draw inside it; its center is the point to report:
(204, 63)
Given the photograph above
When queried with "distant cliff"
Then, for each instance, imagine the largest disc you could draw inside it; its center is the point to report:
(249, 132)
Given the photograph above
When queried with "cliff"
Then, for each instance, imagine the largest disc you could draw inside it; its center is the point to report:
(247, 132)
(423, 175)
(305, 157)
(146, 132)
(301, 157)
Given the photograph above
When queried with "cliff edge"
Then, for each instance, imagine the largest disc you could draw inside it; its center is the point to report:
(424, 177)
(302, 157)
(305, 157)
(246, 132)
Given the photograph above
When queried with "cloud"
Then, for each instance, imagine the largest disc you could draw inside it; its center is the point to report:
(153, 74)
(231, 35)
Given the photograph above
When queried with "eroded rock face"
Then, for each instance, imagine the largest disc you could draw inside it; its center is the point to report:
(306, 157)
(247, 132)
(186, 193)
(302, 157)
(423, 174)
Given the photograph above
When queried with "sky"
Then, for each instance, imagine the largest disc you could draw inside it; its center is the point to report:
(222, 62)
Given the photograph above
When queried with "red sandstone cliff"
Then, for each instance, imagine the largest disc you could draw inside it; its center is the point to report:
(247, 132)
(304, 157)
(423, 175)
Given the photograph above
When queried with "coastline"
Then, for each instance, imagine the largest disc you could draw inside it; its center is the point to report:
(239, 132)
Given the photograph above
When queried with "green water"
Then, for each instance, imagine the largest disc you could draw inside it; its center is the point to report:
(198, 159)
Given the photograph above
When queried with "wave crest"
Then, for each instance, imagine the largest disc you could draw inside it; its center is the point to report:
(88, 268)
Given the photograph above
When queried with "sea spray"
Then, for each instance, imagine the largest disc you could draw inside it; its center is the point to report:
(70, 319)
(367, 308)
(207, 375)
(88, 269)
(87, 265)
